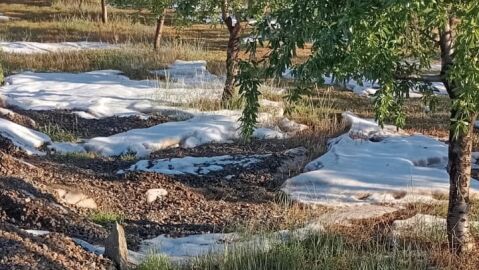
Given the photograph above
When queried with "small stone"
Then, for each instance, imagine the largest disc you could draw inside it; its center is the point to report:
(287, 125)
(76, 198)
(115, 247)
(87, 203)
(154, 194)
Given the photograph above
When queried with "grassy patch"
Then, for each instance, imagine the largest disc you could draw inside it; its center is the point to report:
(106, 218)
(156, 262)
(206, 104)
(58, 134)
(129, 156)
(324, 251)
(134, 62)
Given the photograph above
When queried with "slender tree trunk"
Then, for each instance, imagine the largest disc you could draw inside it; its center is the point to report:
(104, 12)
(460, 149)
(234, 28)
(159, 30)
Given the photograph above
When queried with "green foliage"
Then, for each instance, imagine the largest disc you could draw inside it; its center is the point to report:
(155, 6)
(58, 134)
(249, 82)
(390, 42)
(198, 10)
(155, 262)
(325, 251)
(465, 71)
(106, 218)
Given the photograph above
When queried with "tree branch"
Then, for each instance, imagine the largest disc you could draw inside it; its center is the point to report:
(224, 10)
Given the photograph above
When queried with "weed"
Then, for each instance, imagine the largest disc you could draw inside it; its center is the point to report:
(156, 262)
(106, 218)
(57, 133)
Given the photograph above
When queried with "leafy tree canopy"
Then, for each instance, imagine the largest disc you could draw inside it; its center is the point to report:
(388, 41)
(155, 6)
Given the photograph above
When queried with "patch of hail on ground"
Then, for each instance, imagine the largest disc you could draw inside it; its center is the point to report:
(195, 165)
(24, 47)
(202, 128)
(4, 18)
(106, 93)
(475, 160)
(189, 74)
(102, 93)
(27, 139)
(366, 87)
(373, 165)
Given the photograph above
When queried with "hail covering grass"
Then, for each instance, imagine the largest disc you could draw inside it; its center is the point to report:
(373, 165)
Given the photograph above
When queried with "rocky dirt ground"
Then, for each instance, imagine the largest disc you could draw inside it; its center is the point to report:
(33, 188)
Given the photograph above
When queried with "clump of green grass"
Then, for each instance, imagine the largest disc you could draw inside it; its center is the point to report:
(106, 218)
(57, 133)
(156, 262)
(322, 251)
(128, 156)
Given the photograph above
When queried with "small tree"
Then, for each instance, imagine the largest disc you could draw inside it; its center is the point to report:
(104, 12)
(234, 14)
(2, 78)
(157, 7)
(391, 42)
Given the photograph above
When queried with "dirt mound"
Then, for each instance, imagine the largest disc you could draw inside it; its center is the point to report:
(21, 250)
(25, 205)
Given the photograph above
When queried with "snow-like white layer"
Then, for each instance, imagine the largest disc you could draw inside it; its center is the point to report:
(190, 74)
(133, 257)
(370, 165)
(25, 138)
(369, 88)
(195, 165)
(99, 93)
(201, 129)
(37, 232)
(189, 246)
(23, 47)
(107, 93)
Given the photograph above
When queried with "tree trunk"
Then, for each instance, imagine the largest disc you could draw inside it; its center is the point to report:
(459, 167)
(159, 30)
(460, 149)
(234, 28)
(104, 12)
